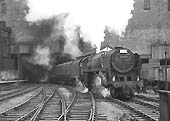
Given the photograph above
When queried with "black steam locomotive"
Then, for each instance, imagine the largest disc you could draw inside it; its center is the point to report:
(120, 66)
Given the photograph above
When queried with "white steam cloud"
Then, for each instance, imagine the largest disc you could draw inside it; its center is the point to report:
(98, 87)
(8, 75)
(69, 44)
(80, 87)
(42, 56)
(72, 42)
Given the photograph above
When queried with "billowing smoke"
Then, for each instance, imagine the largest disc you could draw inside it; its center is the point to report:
(50, 38)
(42, 56)
(58, 58)
(55, 32)
(59, 37)
(50, 41)
(51, 33)
(72, 44)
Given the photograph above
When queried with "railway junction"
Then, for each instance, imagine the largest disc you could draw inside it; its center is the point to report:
(42, 102)
(47, 75)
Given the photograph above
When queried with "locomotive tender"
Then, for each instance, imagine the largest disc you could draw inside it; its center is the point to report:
(120, 66)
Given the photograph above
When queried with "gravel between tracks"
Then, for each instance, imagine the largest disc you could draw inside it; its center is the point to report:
(7, 104)
(8, 91)
(108, 109)
(64, 92)
(152, 95)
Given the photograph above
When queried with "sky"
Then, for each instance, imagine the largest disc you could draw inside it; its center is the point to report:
(91, 15)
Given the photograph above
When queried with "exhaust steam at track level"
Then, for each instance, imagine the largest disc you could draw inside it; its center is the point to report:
(98, 86)
(80, 87)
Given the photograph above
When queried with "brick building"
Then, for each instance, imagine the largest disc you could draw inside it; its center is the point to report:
(12, 39)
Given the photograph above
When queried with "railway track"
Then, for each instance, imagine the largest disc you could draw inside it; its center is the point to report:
(77, 107)
(139, 111)
(17, 92)
(50, 108)
(144, 102)
(148, 98)
(80, 108)
(48, 103)
(99, 116)
(83, 108)
(41, 106)
(18, 111)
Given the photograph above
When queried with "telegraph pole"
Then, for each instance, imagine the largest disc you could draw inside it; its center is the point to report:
(19, 62)
(166, 81)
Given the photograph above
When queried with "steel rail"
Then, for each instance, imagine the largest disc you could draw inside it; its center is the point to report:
(156, 107)
(21, 104)
(67, 108)
(13, 91)
(138, 112)
(148, 98)
(8, 96)
(29, 114)
(33, 112)
(63, 104)
(93, 109)
(41, 106)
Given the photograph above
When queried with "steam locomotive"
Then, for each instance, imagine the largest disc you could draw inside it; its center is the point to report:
(120, 66)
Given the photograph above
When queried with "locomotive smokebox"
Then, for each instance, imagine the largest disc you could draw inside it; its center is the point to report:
(122, 60)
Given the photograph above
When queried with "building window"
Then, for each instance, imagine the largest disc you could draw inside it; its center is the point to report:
(144, 60)
(3, 6)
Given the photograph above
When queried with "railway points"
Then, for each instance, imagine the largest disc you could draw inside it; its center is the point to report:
(81, 107)
(18, 92)
(16, 102)
(151, 104)
(41, 78)
(49, 103)
(149, 97)
(140, 111)
(69, 104)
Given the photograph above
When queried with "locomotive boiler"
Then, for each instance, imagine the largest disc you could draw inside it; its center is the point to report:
(120, 66)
